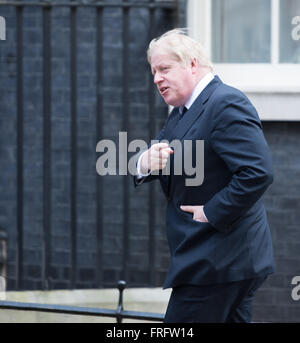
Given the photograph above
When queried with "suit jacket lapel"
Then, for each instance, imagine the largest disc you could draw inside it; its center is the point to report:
(177, 129)
(173, 119)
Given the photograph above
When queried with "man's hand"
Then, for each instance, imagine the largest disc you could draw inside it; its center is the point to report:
(197, 211)
(156, 157)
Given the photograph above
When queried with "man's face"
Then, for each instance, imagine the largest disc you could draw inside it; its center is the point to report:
(174, 80)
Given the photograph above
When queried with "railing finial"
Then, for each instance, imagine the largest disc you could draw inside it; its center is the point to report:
(121, 287)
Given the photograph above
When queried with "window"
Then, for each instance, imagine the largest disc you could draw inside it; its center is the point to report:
(254, 44)
(241, 31)
(289, 39)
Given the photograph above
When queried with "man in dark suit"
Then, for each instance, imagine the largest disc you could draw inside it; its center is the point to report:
(217, 230)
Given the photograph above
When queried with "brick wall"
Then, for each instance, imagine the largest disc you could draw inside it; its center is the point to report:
(8, 137)
(274, 302)
(112, 111)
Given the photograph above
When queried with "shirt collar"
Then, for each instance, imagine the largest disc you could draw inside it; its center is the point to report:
(197, 90)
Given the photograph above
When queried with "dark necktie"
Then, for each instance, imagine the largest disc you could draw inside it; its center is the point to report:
(182, 113)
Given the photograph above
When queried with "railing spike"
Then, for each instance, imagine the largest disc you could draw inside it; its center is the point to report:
(121, 287)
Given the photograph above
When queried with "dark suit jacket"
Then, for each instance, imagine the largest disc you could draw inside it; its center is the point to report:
(236, 243)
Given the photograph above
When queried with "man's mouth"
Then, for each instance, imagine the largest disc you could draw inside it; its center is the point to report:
(163, 90)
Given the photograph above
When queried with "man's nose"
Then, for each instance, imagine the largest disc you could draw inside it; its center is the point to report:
(157, 78)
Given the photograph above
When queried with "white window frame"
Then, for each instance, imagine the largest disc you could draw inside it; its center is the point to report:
(271, 77)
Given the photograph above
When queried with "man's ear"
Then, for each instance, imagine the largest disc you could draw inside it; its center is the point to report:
(194, 65)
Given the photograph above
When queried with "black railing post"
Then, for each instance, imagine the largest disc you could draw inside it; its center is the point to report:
(20, 147)
(73, 142)
(99, 135)
(47, 177)
(121, 287)
(152, 190)
(125, 128)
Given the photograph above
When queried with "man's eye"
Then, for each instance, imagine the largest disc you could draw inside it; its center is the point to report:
(164, 69)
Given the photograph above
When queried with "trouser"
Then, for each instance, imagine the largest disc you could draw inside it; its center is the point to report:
(219, 303)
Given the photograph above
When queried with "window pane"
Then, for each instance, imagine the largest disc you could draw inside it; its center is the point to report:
(241, 31)
(290, 31)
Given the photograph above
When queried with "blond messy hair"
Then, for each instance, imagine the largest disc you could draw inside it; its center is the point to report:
(181, 46)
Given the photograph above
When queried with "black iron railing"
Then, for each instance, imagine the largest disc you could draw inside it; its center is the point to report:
(119, 313)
